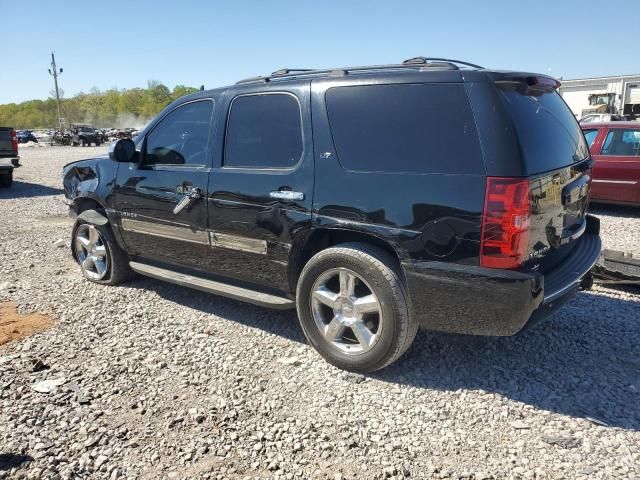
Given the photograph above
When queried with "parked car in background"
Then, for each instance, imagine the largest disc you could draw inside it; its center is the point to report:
(431, 193)
(615, 147)
(25, 136)
(85, 135)
(9, 158)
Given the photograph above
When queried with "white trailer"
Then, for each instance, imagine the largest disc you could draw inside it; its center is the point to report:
(583, 94)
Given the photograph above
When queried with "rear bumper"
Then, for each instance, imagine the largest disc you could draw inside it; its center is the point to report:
(12, 160)
(482, 301)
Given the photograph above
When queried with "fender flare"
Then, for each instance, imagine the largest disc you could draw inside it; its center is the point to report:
(94, 217)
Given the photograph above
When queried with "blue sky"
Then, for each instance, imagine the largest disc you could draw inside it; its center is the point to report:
(113, 43)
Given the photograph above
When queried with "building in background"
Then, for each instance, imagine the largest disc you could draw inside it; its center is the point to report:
(603, 96)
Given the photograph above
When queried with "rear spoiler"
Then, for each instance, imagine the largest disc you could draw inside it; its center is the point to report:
(527, 84)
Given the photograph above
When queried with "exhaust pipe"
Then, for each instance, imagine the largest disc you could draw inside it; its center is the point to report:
(587, 282)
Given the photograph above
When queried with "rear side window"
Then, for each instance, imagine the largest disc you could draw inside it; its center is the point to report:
(548, 134)
(622, 142)
(413, 128)
(263, 131)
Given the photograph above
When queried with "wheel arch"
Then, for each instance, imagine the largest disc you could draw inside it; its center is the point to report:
(320, 239)
(82, 204)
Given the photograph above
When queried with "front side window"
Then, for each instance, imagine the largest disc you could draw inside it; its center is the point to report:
(182, 137)
(263, 131)
(590, 136)
(622, 142)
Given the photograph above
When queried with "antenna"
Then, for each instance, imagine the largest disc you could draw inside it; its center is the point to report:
(53, 71)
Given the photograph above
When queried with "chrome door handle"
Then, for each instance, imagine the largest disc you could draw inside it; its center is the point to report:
(286, 195)
(190, 196)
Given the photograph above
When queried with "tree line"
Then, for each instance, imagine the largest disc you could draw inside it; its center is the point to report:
(115, 107)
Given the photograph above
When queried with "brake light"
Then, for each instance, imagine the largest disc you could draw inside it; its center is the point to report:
(541, 82)
(14, 140)
(505, 223)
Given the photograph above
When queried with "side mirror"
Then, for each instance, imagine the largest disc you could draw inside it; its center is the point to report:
(123, 150)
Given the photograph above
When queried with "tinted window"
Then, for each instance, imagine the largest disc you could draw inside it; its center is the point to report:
(263, 131)
(622, 142)
(548, 133)
(182, 137)
(419, 128)
(590, 136)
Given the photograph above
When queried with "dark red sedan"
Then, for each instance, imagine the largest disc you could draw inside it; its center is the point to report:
(615, 146)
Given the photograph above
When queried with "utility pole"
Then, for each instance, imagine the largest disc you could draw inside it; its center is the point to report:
(53, 71)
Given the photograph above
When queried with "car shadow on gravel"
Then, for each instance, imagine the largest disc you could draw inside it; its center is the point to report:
(19, 189)
(582, 362)
(9, 461)
(281, 323)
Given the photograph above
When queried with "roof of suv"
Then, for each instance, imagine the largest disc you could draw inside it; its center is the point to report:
(411, 64)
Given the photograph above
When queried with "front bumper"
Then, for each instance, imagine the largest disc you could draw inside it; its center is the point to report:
(483, 301)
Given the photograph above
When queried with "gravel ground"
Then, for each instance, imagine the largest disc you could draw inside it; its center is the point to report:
(149, 380)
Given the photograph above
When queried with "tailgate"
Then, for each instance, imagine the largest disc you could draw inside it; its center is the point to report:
(6, 144)
(555, 157)
(559, 201)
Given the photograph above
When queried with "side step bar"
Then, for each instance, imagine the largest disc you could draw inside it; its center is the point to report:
(211, 286)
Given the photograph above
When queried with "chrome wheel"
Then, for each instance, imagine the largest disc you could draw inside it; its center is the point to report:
(91, 252)
(346, 311)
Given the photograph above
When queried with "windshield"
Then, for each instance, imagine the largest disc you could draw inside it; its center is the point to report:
(548, 134)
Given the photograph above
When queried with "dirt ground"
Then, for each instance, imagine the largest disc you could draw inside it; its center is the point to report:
(15, 326)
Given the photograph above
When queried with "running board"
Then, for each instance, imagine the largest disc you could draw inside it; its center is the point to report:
(211, 286)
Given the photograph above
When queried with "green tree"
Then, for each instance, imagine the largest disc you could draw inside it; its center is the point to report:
(103, 109)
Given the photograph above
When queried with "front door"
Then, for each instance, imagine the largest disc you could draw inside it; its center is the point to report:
(617, 168)
(161, 199)
(260, 192)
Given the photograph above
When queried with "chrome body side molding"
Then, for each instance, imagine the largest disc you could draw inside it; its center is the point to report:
(235, 242)
(187, 234)
(173, 232)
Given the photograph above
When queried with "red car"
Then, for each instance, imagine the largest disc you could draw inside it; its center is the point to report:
(615, 146)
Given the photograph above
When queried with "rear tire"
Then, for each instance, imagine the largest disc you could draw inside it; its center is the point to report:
(100, 257)
(354, 308)
(6, 180)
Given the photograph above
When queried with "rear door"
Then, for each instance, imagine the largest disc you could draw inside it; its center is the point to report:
(616, 174)
(260, 192)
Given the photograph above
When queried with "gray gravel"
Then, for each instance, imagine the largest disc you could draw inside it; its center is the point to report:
(150, 380)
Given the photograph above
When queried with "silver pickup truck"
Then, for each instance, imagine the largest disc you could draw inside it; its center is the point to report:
(9, 158)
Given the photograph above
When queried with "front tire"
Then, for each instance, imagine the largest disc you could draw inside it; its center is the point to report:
(100, 257)
(354, 308)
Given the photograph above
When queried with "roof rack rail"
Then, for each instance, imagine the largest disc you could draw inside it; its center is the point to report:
(286, 71)
(419, 63)
(426, 60)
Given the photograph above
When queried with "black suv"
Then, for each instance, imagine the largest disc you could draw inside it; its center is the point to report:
(84, 135)
(431, 193)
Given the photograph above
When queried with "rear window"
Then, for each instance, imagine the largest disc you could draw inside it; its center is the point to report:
(413, 128)
(548, 133)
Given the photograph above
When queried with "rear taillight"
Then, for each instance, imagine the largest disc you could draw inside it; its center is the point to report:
(505, 223)
(14, 140)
